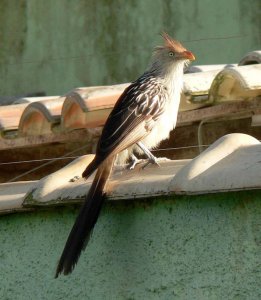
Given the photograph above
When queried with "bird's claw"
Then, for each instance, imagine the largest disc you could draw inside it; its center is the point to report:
(155, 161)
(134, 161)
(151, 160)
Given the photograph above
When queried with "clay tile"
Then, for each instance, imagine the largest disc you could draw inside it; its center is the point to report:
(251, 58)
(10, 116)
(89, 107)
(40, 117)
(239, 83)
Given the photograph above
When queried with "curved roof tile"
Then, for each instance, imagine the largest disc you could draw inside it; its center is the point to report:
(253, 57)
(239, 83)
(89, 107)
(231, 163)
(10, 116)
(39, 117)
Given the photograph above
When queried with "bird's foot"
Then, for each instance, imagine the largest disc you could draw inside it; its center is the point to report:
(150, 160)
(155, 161)
(134, 161)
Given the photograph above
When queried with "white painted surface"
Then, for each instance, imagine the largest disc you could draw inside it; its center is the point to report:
(232, 163)
(12, 195)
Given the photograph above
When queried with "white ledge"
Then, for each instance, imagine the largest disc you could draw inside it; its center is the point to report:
(232, 163)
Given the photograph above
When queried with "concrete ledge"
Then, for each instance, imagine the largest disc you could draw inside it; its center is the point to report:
(12, 196)
(232, 163)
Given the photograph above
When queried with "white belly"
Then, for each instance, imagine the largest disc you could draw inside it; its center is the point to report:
(164, 125)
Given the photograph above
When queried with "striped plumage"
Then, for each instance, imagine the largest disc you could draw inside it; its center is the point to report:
(145, 112)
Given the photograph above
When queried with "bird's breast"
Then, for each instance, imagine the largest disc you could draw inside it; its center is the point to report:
(165, 123)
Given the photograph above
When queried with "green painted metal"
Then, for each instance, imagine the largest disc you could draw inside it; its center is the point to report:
(53, 46)
(187, 247)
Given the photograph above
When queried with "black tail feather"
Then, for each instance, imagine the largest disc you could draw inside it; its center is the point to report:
(95, 163)
(84, 224)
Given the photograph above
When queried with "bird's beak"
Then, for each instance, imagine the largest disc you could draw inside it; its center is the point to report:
(188, 55)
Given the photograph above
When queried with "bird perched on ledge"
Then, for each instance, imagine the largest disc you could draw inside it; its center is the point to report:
(142, 117)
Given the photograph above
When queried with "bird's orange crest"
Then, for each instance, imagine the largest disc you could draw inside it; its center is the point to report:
(172, 44)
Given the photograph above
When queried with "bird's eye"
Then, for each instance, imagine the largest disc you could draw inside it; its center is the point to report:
(171, 53)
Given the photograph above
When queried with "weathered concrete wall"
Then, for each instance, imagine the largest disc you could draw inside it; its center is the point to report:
(53, 46)
(201, 247)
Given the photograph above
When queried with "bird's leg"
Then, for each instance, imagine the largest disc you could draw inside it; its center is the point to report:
(151, 158)
(134, 161)
(147, 152)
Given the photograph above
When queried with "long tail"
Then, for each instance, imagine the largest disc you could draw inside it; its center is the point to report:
(92, 167)
(84, 224)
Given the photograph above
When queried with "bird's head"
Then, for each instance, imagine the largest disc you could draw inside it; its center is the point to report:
(171, 54)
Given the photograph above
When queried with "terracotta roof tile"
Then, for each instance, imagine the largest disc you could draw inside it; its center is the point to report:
(39, 117)
(10, 116)
(88, 107)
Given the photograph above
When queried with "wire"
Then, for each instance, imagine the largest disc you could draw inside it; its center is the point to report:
(37, 160)
(74, 157)
(64, 157)
(177, 148)
(43, 165)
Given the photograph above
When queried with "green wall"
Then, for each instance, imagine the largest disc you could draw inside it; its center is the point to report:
(201, 247)
(53, 46)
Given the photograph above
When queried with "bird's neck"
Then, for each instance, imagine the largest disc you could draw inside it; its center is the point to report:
(169, 74)
(173, 78)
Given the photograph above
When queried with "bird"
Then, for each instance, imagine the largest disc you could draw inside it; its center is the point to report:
(142, 117)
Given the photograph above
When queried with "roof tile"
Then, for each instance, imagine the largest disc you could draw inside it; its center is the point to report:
(253, 57)
(239, 83)
(89, 107)
(39, 117)
(10, 116)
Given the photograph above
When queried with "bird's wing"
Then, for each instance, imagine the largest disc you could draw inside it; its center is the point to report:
(133, 115)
